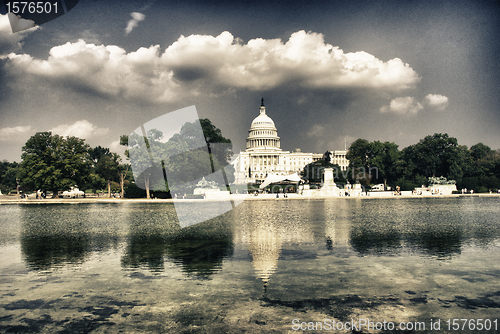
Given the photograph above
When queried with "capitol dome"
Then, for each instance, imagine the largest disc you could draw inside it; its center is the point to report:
(263, 134)
(263, 121)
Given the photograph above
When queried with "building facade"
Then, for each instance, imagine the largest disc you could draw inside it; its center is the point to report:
(263, 155)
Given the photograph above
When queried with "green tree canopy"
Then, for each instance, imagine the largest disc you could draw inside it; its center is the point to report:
(185, 157)
(203, 154)
(51, 162)
(436, 155)
(97, 152)
(373, 162)
(8, 175)
(108, 167)
(314, 171)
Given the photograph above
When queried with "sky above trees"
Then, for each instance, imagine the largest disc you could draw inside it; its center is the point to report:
(328, 71)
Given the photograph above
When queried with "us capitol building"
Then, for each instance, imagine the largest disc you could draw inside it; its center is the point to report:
(263, 155)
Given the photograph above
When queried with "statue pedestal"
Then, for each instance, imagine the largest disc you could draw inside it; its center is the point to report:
(329, 188)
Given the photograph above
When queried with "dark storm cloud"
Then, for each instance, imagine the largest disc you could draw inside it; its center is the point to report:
(377, 70)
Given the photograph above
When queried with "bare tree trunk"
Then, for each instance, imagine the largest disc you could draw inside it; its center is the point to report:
(109, 189)
(122, 182)
(147, 187)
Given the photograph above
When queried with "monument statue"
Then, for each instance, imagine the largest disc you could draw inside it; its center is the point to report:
(433, 180)
(207, 184)
(209, 189)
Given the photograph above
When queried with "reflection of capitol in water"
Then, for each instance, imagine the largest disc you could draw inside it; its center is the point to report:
(265, 230)
(265, 249)
(266, 238)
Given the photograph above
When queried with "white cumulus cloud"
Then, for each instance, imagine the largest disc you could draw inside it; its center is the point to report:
(136, 18)
(15, 133)
(81, 129)
(403, 106)
(212, 65)
(409, 105)
(439, 102)
(305, 59)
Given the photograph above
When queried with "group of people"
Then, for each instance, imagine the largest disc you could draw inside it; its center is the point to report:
(285, 195)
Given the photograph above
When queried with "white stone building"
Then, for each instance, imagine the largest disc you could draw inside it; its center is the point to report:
(263, 155)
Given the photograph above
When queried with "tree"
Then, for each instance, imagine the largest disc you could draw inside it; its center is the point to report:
(184, 158)
(8, 175)
(314, 171)
(482, 169)
(97, 152)
(124, 175)
(383, 157)
(194, 154)
(480, 151)
(108, 167)
(51, 162)
(124, 168)
(358, 153)
(436, 155)
(373, 161)
(148, 157)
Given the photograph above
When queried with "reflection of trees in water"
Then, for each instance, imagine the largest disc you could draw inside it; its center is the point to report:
(202, 257)
(49, 251)
(440, 241)
(57, 235)
(198, 250)
(144, 250)
(367, 241)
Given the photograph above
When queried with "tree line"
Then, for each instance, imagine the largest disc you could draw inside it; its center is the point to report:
(54, 163)
(477, 167)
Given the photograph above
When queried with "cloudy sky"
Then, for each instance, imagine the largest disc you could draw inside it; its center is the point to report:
(329, 71)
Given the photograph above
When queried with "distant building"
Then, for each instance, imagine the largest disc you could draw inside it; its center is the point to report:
(339, 158)
(263, 155)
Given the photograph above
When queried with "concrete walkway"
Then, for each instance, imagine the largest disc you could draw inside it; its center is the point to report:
(6, 199)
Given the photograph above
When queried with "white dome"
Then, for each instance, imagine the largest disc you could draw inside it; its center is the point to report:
(263, 134)
(263, 121)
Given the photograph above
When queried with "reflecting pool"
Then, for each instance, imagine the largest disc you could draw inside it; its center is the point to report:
(268, 266)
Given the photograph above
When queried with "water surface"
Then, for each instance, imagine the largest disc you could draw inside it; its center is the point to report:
(125, 267)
